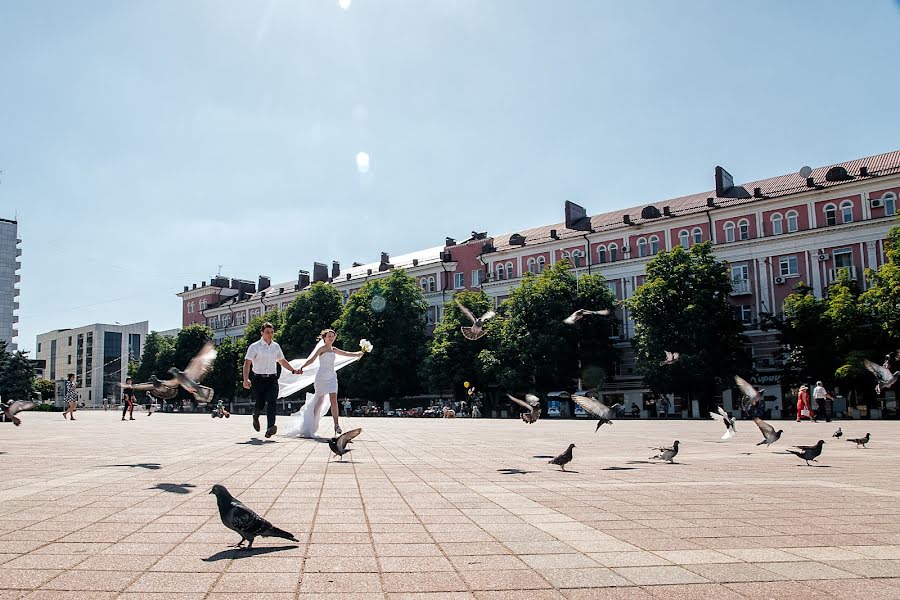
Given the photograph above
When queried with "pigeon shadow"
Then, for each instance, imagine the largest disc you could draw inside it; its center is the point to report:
(256, 442)
(175, 488)
(543, 456)
(151, 466)
(567, 471)
(514, 471)
(620, 469)
(816, 466)
(235, 553)
(639, 462)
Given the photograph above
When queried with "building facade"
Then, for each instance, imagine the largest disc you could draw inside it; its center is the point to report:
(9, 281)
(97, 354)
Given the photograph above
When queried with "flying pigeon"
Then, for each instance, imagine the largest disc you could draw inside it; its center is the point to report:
(600, 410)
(532, 404)
(667, 453)
(885, 378)
(582, 312)
(188, 379)
(338, 444)
(727, 420)
(837, 434)
(476, 330)
(239, 518)
(860, 441)
(671, 358)
(808, 453)
(563, 459)
(770, 436)
(14, 407)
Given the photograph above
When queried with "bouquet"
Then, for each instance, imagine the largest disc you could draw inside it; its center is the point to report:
(365, 345)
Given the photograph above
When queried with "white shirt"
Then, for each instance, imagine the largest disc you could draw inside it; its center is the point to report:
(819, 392)
(264, 357)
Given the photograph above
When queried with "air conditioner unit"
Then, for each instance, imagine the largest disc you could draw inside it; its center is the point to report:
(779, 280)
(823, 256)
(877, 203)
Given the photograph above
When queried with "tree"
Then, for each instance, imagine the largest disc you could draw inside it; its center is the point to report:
(16, 374)
(882, 299)
(310, 312)
(44, 387)
(253, 330)
(390, 313)
(683, 307)
(156, 358)
(225, 375)
(188, 343)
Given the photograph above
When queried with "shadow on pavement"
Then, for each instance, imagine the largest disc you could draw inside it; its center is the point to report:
(256, 442)
(175, 488)
(151, 466)
(514, 471)
(236, 553)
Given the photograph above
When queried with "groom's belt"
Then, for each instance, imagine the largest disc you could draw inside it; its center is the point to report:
(265, 375)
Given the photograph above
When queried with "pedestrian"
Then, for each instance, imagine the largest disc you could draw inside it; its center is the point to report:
(128, 400)
(264, 355)
(348, 406)
(71, 397)
(635, 411)
(665, 407)
(803, 408)
(821, 396)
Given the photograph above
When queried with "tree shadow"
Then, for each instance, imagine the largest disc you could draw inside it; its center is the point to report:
(514, 471)
(256, 442)
(151, 466)
(236, 553)
(175, 488)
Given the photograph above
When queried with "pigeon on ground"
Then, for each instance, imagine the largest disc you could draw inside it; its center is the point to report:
(532, 404)
(239, 518)
(583, 312)
(188, 379)
(667, 454)
(727, 420)
(477, 329)
(752, 396)
(837, 434)
(14, 407)
(563, 459)
(600, 410)
(808, 453)
(770, 436)
(671, 358)
(885, 378)
(338, 444)
(860, 441)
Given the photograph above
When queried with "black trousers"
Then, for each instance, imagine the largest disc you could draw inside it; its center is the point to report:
(265, 390)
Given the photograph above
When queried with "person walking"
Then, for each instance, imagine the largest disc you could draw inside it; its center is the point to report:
(348, 406)
(128, 400)
(264, 355)
(71, 397)
(821, 396)
(803, 408)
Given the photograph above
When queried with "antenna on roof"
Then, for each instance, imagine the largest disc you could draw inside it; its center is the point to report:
(219, 272)
(805, 172)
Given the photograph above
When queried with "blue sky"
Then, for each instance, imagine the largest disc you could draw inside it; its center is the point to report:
(143, 144)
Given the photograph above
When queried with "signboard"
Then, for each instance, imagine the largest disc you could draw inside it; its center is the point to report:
(552, 408)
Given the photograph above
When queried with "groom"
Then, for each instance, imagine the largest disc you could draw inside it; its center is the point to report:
(263, 355)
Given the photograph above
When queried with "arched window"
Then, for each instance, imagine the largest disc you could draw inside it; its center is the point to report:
(501, 272)
(697, 234)
(642, 247)
(777, 225)
(729, 231)
(431, 284)
(654, 245)
(509, 270)
(424, 284)
(541, 262)
(684, 238)
(601, 254)
(847, 211)
(791, 217)
(565, 256)
(890, 203)
(190, 307)
(577, 257)
(613, 252)
(744, 229)
(532, 265)
(830, 214)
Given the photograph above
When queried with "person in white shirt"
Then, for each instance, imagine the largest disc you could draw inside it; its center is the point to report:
(263, 356)
(820, 395)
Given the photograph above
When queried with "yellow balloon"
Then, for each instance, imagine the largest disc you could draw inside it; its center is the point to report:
(466, 384)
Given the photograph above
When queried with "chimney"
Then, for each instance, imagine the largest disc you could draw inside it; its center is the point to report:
(711, 202)
(264, 283)
(195, 286)
(553, 234)
(203, 284)
(864, 171)
(416, 261)
(320, 272)
(667, 212)
(335, 269)
(385, 258)
(626, 219)
(303, 279)
(185, 288)
(757, 192)
(449, 241)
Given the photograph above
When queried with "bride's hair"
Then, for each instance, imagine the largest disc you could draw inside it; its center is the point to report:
(322, 334)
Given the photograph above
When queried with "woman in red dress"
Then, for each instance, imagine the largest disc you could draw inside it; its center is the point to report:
(803, 404)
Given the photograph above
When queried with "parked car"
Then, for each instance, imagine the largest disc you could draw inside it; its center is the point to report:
(433, 411)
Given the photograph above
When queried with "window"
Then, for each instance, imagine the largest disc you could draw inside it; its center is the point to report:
(739, 273)
(541, 262)
(423, 283)
(532, 265)
(431, 283)
(254, 313)
(39, 346)
(69, 360)
(613, 253)
(830, 214)
(846, 211)
(777, 228)
(565, 256)
(744, 229)
(791, 217)
(729, 231)
(654, 245)
(476, 278)
(226, 321)
(577, 257)
(601, 254)
(890, 204)
(203, 305)
(459, 280)
(70, 340)
(240, 318)
(743, 313)
(509, 270)
(697, 234)
(134, 346)
(842, 258)
(642, 247)
(190, 307)
(501, 272)
(430, 315)
(787, 266)
(684, 238)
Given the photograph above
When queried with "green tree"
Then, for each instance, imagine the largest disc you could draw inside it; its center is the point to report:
(156, 358)
(16, 374)
(225, 376)
(683, 307)
(253, 330)
(390, 313)
(188, 343)
(882, 299)
(312, 311)
(46, 388)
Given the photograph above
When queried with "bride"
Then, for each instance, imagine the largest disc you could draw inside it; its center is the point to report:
(323, 363)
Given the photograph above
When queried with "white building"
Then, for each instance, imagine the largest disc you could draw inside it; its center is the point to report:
(9, 278)
(97, 354)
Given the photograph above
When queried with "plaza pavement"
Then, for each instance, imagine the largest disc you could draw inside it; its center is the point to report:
(445, 510)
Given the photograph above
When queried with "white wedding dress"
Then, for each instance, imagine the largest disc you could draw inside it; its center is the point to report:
(323, 375)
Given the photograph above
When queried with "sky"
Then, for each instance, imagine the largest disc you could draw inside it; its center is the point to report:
(145, 146)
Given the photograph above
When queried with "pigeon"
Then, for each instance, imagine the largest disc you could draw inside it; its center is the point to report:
(563, 459)
(188, 379)
(600, 410)
(338, 444)
(531, 403)
(14, 407)
(667, 453)
(837, 434)
(860, 441)
(239, 518)
(770, 436)
(727, 420)
(671, 358)
(808, 453)
(583, 312)
(752, 396)
(885, 378)
(477, 329)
